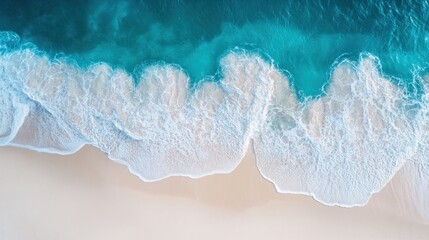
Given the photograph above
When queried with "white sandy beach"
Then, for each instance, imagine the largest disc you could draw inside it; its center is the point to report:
(87, 196)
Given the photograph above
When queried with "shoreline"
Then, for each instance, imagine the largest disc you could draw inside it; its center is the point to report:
(88, 196)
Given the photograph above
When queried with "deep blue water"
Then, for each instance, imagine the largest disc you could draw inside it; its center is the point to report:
(303, 37)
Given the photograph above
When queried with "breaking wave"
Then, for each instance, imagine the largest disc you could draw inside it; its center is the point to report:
(340, 147)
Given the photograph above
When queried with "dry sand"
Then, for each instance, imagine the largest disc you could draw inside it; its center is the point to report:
(87, 196)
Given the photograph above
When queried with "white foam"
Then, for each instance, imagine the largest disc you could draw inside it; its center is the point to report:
(414, 176)
(13, 112)
(40, 131)
(339, 148)
(342, 147)
(158, 128)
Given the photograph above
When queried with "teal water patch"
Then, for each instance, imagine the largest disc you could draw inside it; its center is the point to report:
(305, 38)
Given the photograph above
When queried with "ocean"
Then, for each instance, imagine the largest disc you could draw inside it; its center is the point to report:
(332, 95)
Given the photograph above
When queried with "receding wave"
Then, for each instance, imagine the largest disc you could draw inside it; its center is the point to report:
(339, 148)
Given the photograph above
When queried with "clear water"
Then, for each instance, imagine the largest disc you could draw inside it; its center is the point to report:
(303, 37)
(332, 93)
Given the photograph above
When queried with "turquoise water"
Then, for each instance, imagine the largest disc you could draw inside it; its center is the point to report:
(303, 37)
(333, 96)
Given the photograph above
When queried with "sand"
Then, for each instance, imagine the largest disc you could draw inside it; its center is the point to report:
(87, 196)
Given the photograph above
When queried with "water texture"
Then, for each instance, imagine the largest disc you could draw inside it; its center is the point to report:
(333, 95)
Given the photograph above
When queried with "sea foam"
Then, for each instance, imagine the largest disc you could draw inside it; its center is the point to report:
(339, 148)
(345, 145)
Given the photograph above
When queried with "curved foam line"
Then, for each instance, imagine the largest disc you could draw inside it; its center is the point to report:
(159, 129)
